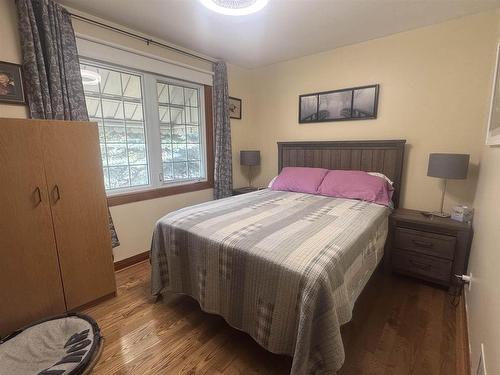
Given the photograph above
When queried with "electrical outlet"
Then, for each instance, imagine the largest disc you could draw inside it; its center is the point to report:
(481, 366)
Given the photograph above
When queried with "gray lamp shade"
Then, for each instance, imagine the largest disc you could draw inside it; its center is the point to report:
(452, 166)
(250, 158)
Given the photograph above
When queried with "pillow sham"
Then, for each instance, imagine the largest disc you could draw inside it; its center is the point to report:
(299, 179)
(269, 186)
(381, 175)
(356, 185)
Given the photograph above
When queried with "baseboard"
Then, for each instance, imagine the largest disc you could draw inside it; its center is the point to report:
(94, 302)
(462, 339)
(127, 262)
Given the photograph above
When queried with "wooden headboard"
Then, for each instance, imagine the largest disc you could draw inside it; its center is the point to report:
(385, 156)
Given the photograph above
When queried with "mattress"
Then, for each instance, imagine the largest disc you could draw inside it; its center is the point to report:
(284, 267)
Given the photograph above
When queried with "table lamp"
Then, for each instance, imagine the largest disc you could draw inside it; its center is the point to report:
(447, 166)
(250, 158)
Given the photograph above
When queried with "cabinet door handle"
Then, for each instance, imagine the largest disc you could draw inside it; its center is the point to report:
(38, 195)
(56, 195)
(423, 243)
(421, 266)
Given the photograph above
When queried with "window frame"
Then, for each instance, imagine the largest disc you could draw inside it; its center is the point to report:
(120, 69)
(153, 82)
(158, 188)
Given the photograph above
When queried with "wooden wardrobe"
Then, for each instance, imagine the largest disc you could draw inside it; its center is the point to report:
(55, 244)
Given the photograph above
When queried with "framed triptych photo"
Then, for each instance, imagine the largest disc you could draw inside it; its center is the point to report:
(357, 103)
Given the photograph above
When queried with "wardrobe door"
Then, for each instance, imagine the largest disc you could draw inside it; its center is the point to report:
(30, 283)
(79, 210)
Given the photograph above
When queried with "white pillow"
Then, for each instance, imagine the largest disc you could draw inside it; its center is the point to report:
(381, 175)
(272, 182)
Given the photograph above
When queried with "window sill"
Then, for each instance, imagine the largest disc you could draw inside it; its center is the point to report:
(137, 196)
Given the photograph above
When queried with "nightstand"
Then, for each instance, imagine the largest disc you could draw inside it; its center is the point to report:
(433, 249)
(244, 190)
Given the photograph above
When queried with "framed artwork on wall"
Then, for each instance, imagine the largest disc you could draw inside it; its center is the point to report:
(11, 83)
(493, 132)
(235, 108)
(356, 103)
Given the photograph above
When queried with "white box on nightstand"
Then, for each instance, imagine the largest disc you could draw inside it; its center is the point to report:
(462, 213)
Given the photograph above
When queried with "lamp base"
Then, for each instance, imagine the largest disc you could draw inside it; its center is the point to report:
(437, 214)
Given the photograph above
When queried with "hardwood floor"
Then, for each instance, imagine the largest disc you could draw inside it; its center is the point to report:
(400, 327)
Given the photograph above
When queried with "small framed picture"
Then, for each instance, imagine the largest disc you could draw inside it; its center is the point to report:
(356, 103)
(11, 83)
(235, 108)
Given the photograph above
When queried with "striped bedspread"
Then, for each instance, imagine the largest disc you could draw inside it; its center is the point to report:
(284, 267)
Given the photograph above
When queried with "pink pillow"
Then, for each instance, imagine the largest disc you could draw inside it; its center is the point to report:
(299, 179)
(356, 185)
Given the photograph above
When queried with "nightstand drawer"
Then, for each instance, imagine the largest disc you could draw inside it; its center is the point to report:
(422, 265)
(425, 243)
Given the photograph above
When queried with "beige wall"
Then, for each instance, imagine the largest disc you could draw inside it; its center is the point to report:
(483, 300)
(10, 51)
(134, 222)
(432, 80)
(243, 132)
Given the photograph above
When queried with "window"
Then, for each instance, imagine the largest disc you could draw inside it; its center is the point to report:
(181, 136)
(116, 104)
(151, 128)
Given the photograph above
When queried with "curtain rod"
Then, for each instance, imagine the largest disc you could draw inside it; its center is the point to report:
(140, 37)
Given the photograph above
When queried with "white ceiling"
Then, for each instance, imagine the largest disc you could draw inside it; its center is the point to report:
(284, 30)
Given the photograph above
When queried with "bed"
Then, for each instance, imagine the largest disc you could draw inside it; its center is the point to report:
(284, 267)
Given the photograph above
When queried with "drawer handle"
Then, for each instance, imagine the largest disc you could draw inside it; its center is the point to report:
(423, 243)
(56, 195)
(38, 196)
(422, 266)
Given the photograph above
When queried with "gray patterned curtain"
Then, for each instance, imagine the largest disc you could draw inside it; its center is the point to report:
(223, 173)
(51, 68)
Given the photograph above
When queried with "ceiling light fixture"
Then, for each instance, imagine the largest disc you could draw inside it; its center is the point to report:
(90, 77)
(235, 7)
